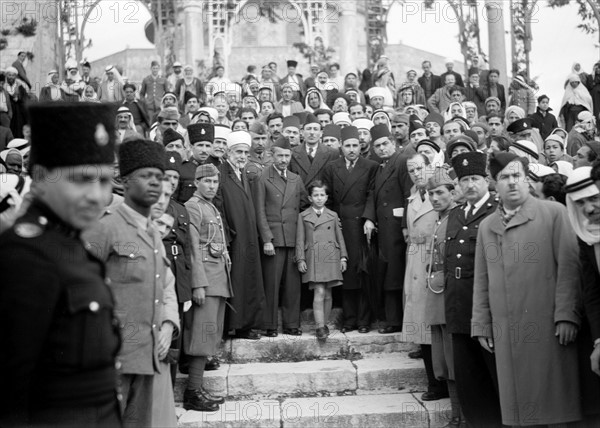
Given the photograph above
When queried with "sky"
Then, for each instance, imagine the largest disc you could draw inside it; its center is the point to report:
(556, 45)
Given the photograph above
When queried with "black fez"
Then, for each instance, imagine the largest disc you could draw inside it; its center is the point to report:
(520, 125)
(173, 161)
(170, 135)
(201, 132)
(311, 118)
(332, 130)
(349, 132)
(293, 121)
(188, 96)
(283, 143)
(137, 154)
(414, 125)
(379, 131)
(292, 63)
(70, 134)
(499, 160)
(470, 163)
(302, 116)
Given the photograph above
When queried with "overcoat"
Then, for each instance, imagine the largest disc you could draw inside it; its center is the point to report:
(321, 245)
(527, 279)
(234, 201)
(309, 171)
(348, 197)
(421, 220)
(177, 247)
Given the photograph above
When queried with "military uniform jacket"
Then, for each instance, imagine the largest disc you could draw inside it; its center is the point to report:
(60, 339)
(309, 171)
(187, 175)
(209, 271)
(459, 265)
(140, 279)
(177, 247)
(278, 203)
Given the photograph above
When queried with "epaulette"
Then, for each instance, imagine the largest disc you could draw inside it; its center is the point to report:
(30, 229)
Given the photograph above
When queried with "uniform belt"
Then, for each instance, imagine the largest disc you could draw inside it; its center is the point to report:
(460, 273)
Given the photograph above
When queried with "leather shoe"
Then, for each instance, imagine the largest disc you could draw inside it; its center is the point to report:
(432, 396)
(212, 364)
(348, 328)
(326, 329)
(321, 333)
(292, 331)
(364, 329)
(194, 399)
(390, 329)
(454, 422)
(415, 355)
(271, 333)
(210, 397)
(247, 334)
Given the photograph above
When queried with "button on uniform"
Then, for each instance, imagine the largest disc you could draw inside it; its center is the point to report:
(94, 306)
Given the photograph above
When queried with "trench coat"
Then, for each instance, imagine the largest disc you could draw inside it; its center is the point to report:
(320, 243)
(526, 280)
(421, 220)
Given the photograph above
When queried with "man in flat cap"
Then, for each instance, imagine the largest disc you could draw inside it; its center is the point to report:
(475, 369)
(349, 180)
(526, 300)
(62, 341)
(201, 136)
(140, 278)
(279, 195)
(309, 158)
(234, 200)
(211, 286)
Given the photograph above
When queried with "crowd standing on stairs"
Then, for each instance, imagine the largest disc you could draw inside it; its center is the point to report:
(141, 224)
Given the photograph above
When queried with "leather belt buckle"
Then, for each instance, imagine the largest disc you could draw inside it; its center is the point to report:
(174, 250)
(457, 273)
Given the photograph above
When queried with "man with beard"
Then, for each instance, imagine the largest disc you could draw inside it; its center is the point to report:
(400, 125)
(219, 147)
(527, 286)
(583, 131)
(349, 180)
(475, 369)
(234, 200)
(140, 278)
(363, 127)
(125, 125)
(310, 158)
(259, 157)
(54, 293)
(17, 96)
(391, 188)
(279, 196)
(201, 137)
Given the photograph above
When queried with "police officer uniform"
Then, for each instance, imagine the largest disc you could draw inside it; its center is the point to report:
(197, 132)
(61, 337)
(474, 367)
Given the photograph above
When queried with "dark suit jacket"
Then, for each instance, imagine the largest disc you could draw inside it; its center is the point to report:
(278, 204)
(591, 287)
(436, 83)
(391, 191)
(459, 261)
(22, 73)
(177, 247)
(458, 78)
(348, 197)
(501, 95)
(300, 163)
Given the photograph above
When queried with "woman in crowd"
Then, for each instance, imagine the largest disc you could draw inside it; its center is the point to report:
(314, 101)
(575, 100)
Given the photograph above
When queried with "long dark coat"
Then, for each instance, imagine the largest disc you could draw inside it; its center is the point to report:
(348, 196)
(309, 171)
(177, 247)
(234, 200)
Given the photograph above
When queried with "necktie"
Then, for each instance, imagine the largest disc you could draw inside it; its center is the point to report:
(470, 213)
(311, 154)
(318, 213)
(350, 167)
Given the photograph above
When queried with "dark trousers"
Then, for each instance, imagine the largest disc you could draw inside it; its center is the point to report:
(136, 404)
(476, 382)
(106, 415)
(281, 276)
(356, 308)
(393, 307)
(433, 384)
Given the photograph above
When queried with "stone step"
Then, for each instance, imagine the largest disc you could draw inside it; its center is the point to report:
(313, 378)
(338, 345)
(374, 411)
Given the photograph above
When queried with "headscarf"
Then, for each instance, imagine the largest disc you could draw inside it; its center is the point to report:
(514, 109)
(55, 94)
(116, 74)
(577, 96)
(322, 104)
(448, 113)
(382, 113)
(587, 232)
(563, 168)
(93, 98)
(188, 79)
(4, 154)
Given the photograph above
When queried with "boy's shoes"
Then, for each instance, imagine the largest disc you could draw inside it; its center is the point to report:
(363, 329)
(194, 399)
(322, 333)
(212, 364)
(292, 331)
(271, 333)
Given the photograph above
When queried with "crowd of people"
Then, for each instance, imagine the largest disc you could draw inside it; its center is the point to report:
(461, 216)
